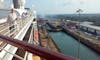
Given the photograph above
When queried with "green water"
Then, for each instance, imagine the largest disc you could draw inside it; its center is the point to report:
(69, 46)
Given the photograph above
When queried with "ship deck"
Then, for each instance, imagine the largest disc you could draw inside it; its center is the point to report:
(18, 32)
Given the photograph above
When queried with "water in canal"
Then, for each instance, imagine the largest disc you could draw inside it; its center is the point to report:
(69, 46)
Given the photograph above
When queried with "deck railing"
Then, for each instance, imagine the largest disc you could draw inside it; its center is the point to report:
(42, 52)
(14, 33)
(4, 28)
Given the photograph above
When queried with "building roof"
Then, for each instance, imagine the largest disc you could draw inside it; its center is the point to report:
(91, 26)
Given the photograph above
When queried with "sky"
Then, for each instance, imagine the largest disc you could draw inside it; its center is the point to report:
(64, 6)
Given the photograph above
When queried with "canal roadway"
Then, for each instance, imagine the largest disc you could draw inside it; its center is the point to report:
(69, 46)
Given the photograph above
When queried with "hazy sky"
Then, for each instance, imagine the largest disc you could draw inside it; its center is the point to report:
(64, 6)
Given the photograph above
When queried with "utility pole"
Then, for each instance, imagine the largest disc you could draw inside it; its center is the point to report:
(79, 13)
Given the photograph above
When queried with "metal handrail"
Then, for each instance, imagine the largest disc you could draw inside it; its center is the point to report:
(15, 55)
(43, 52)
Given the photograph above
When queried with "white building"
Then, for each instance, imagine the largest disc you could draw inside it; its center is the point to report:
(91, 29)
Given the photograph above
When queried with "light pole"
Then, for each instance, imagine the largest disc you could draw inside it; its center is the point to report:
(79, 13)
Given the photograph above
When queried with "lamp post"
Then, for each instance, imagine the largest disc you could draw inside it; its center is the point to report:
(79, 13)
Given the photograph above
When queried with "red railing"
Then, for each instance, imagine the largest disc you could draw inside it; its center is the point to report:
(42, 52)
